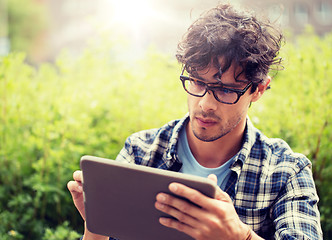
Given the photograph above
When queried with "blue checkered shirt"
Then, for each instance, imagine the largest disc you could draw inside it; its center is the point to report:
(272, 187)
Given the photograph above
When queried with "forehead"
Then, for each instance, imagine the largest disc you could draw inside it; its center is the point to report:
(230, 73)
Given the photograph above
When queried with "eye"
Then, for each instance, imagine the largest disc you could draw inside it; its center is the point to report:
(225, 91)
(201, 84)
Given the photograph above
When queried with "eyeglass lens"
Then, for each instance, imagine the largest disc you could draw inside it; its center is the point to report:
(199, 89)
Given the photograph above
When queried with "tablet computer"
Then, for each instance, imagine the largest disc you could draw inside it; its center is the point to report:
(120, 197)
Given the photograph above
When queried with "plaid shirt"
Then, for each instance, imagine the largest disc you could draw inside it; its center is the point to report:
(272, 188)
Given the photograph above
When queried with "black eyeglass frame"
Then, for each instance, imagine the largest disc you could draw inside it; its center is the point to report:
(208, 87)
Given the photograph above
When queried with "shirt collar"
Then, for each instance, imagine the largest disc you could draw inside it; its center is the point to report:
(249, 137)
(248, 140)
(172, 153)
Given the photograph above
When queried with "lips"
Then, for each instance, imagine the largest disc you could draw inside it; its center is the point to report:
(205, 122)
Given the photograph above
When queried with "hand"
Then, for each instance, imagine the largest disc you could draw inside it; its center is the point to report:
(213, 219)
(76, 191)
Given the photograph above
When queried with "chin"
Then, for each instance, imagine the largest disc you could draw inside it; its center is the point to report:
(207, 138)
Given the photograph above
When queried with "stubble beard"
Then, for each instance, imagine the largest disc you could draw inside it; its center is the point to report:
(203, 134)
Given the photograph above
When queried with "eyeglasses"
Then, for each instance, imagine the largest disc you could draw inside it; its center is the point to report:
(198, 88)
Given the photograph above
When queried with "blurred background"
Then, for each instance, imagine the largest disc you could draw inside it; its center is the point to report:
(44, 27)
(78, 77)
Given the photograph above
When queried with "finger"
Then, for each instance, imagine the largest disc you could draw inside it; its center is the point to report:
(220, 195)
(76, 192)
(177, 208)
(171, 223)
(214, 178)
(75, 189)
(198, 198)
(74, 186)
(188, 193)
(77, 175)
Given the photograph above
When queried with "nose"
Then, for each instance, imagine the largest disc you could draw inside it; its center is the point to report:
(208, 102)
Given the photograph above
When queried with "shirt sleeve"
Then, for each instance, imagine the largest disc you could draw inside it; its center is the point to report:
(296, 214)
(126, 153)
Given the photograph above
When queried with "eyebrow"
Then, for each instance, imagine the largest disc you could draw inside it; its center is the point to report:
(229, 85)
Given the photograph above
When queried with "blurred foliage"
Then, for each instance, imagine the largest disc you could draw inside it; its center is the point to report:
(62, 232)
(25, 24)
(54, 114)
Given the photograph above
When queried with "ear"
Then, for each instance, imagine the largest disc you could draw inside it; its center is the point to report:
(261, 89)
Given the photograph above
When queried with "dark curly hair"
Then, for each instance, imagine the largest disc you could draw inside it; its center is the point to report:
(238, 37)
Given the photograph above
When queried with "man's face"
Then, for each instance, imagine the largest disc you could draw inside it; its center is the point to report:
(210, 119)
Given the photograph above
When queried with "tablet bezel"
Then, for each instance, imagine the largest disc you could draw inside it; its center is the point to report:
(119, 198)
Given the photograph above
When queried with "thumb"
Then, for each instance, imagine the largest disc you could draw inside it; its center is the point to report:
(214, 178)
(220, 194)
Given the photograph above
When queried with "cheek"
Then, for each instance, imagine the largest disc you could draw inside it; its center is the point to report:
(238, 110)
(242, 108)
(191, 102)
(245, 100)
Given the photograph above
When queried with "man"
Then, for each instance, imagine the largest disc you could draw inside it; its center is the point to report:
(267, 191)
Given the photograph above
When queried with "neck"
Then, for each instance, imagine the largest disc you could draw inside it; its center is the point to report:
(216, 153)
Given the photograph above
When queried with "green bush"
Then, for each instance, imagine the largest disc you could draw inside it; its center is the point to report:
(52, 115)
(62, 232)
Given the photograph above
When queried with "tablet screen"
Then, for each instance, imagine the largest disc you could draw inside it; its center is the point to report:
(120, 197)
